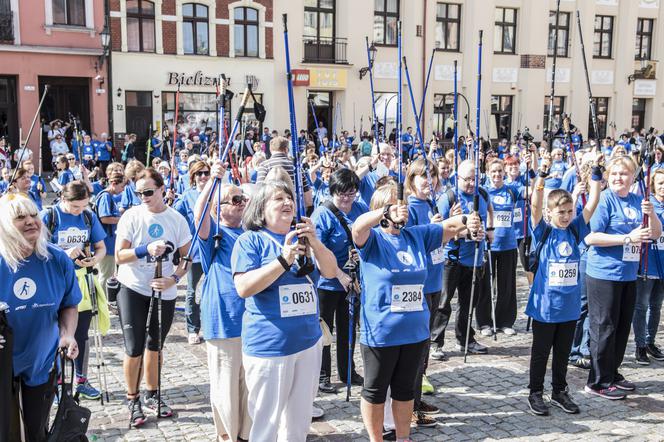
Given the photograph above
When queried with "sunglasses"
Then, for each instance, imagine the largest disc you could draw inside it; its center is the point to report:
(203, 173)
(236, 200)
(145, 193)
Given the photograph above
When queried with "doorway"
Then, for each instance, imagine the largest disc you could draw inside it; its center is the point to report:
(638, 113)
(138, 115)
(8, 110)
(319, 109)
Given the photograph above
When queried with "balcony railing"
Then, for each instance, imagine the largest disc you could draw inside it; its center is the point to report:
(325, 50)
(6, 26)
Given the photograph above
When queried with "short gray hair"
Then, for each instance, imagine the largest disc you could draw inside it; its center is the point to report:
(254, 214)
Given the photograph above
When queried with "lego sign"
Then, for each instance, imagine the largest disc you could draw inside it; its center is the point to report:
(300, 77)
(328, 78)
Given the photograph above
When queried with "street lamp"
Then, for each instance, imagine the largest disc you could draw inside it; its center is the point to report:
(372, 57)
(105, 36)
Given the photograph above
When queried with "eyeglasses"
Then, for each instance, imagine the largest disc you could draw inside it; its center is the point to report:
(145, 193)
(71, 159)
(201, 173)
(467, 180)
(236, 200)
(347, 195)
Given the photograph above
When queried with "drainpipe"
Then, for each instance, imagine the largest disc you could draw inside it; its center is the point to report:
(424, 69)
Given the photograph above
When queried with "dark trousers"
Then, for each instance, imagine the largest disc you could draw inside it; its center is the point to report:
(432, 301)
(457, 278)
(504, 269)
(610, 311)
(334, 310)
(37, 403)
(192, 311)
(581, 334)
(81, 335)
(546, 335)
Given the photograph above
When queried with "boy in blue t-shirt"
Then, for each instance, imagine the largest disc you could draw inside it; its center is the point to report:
(555, 297)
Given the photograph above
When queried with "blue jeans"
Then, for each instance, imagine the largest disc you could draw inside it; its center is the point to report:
(192, 311)
(649, 295)
(582, 333)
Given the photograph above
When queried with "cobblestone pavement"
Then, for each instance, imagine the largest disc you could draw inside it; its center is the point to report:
(483, 399)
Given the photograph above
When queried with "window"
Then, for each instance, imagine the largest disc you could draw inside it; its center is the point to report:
(249, 119)
(443, 115)
(195, 29)
(603, 36)
(246, 32)
(140, 26)
(602, 109)
(558, 109)
(448, 26)
(196, 111)
(644, 29)
(386, 15)
(504, 37)
(319, 32)
(501, 110)
(69, 12)
(563, 33)
(638, 113)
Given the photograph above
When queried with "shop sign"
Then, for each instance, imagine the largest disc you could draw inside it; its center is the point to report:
(29, 88)
(301, 77)
(645, 88)
(197, 79)
(328, 78)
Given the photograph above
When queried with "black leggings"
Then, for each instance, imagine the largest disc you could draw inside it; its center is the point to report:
(81, 335)
(133, 310)
(334, 305)
(558, 336)
(393, 367)
(37, 403)
(504, 267)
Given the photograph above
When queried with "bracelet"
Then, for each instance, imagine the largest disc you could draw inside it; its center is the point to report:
(597, 173)
(176, 278)
(543, 174)
(540, 188)
(283, 262)
(141, 252)
(490, 229)
(464, 219)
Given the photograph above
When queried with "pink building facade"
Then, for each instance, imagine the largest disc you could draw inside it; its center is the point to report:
(55, 43)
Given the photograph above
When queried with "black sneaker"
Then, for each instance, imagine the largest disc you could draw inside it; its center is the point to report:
(583, 363)
(356, 379)
(152, 404)
(420, 419)
(562, 400)
(136, 415)
(537, 405)
(474, 347)
(655, 352)
(624, 385)
(326, 387)
(427, 408)
(641, 356)
(611, 393)
(389, 434)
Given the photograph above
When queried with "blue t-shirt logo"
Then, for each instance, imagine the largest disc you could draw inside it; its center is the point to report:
(564, 249)
(155, 230)
(25, 288)
(285, 299)
(499, 199)
(630, 213)
(405, 258)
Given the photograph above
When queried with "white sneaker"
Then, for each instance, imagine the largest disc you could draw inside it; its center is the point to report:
(486, 331)
(194, 339)
(317, 412)
(509, 331)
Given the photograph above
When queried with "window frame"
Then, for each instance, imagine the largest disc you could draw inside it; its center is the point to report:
(561, 28)
(501, 111)
(385, 14)
(245, 23)
(503, 26)
(443, 21)
(602, 33)
(602, 125)
(557, 116)
(641, 35)
(68, 18)
(140, 16)
(195, 19)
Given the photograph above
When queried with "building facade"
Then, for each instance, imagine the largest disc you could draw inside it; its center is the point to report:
(56, 43)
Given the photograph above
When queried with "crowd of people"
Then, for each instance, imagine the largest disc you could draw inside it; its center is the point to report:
(287, 264)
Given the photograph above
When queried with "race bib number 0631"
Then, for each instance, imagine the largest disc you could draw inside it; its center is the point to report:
(297, 300)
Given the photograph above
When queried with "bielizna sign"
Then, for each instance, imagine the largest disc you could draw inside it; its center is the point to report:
(197, 79)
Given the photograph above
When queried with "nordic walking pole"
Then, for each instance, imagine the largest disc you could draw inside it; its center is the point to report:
(32, 126)
(400, 192)
(97, 338)
(566, 126)
(476, 196)
(553, 78)
(371, 85)
(593, 112)
(494, 299)
(426, 86)
(456, 132)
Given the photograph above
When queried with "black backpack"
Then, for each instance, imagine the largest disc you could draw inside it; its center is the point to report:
(52, 222)
(71, 419)
(533, 257)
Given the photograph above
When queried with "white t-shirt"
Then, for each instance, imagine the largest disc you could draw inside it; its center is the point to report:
(141, 227)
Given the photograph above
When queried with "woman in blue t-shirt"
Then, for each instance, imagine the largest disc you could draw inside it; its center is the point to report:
(394, 317)
(39, 294)
(221, 307)
(343, 185)
(613, 262)
(281, 335)
(554, 303)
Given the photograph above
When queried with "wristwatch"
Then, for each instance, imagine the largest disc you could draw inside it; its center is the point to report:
(627, 240)
(176, 278)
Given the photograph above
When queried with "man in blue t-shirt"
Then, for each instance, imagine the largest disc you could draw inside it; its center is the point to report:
(406, 143)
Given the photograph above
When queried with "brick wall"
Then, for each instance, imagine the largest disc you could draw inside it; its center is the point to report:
(168, 7)
(116, 34)
(169, 37)
(222, 41)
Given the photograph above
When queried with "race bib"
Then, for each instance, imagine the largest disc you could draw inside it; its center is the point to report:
(407, 298)
(297, 300)
(87, 157)
(631, 252)
(660, 242)
(563, 274)
(518, 215)
(502, 218)
(437, 256)
(72, 237)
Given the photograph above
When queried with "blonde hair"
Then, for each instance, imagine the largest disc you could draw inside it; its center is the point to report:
(624, 161)
(384, 195)
(653, 177)
(419, 168)
(12, 243)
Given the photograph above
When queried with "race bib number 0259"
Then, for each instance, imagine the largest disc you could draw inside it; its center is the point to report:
(407, 298)
(297, 300)
(563, 274)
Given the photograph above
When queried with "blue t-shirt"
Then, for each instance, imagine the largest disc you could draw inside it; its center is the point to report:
(368, 186)
(34, 191)
(466, 249)
(420, 213)
(617, 216)
(89, 151)
(321, 192)
(182, 184)
(282, 319)
(182, 166)
(503, 201)
(406, 141)
(107, 206)
(129, 197)
(101, 148)
(66, 176)
(656, 249)
(221, 306)
(156, 148)
(556, 173)
(97, 186)
(555, 295)
(393, 270)
(35, 294)
(332, 234)
(569, 180)
(185, 205)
